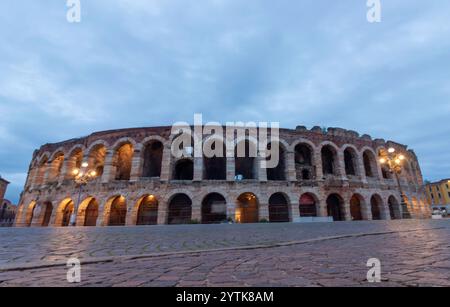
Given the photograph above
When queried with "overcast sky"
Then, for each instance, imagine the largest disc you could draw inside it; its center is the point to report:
(148, 62)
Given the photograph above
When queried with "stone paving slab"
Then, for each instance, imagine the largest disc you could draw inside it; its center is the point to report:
(408, 258)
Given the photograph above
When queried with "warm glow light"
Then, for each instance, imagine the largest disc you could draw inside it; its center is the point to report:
(398, 161)
(93, 173)
(401, 157)
(85, 164)
(382, 160)
(391, 150)
(76, 171)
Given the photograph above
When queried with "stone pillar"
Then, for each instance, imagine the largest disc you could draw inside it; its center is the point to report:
(361, 169)
(260, 171)
(163, 212)
(294, 211)
(341, 165)
(230, 169)
(290, 166)
(198, 168)
(196, 214)
(231, 210)
(318, 165)
(66, 171)
(48, 172)
(347, 212)
(109, 171)
(136, 164)
(322, 209)
(166, 168)
(263, 212)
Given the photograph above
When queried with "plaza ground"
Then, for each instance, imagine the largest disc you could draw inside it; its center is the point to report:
(412, 253)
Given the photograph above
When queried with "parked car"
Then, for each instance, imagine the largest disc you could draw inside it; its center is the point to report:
(437, 214)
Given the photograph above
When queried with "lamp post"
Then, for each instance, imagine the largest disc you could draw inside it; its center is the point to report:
(82, 176)
(394, 163)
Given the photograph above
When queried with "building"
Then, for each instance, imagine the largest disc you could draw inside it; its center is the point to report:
(322, 173)
(438, 194)
(7, 210)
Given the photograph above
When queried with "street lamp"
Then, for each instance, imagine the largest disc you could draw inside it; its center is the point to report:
(82, 176)
(394, 162)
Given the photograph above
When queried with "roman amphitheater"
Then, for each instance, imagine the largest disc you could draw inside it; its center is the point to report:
(323, 174)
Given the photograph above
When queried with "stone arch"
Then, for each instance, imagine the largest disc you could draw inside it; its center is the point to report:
(41, 170)
(123, 157)
(377, 208)
(385, 172)
(88, 212)
(74, 159)
(42, 214)
(145, 211)
(329, 158)
(56, 165)
(246, 162)
(179, 209)
(183, 169)
(247, 207)
(370, 163)
(304, 160)
(115, 211)
(214, 208)
(278, 173)
(96, 155)
(335, 207)
(29, 213)
(64, 212)
(214, 163)
(394, 208)
(357, 204)
(152, 157)
(308, 205)
(351, 160)
(278, 208)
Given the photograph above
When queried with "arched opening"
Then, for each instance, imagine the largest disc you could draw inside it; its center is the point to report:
(42, 168)
(328, 154)
(335, 206)
(64, 212)
(184, 170)
(153, 153)
(277, 173)
(303, 162)
(75, 160)
(214, 209)
(307, 206)
(56, 167)
(97, 159)
(215, 166)
(247, 208)
(376, 207)
(30, 214)
(369, 164)
(180, 210)
(245, 157)
(116, 211)
(350, 161)
(278, 208)
(147, 211)
(123, 159)
(355, 207)
(89, 212)
(394, 208)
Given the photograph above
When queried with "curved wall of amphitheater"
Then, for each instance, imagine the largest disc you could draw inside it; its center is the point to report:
(321, 173)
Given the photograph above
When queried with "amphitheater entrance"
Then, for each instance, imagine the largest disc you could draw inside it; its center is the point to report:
(307, 206)
(147, 211)
(89, 212)
(355, 208)
(214, 209)
(375, 204)
(180, 210)
(247, 208)
(335, 204)
(394, 208)
(184, 170)
(116, 211)
(64, 212)
(30, 214)
(47, 208)
(278, 208)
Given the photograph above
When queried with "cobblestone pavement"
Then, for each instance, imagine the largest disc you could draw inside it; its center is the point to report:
(411, 252)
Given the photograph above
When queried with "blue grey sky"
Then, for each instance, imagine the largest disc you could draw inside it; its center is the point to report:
(148, 62)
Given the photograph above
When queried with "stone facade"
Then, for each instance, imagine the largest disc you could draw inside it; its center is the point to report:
(333, 172)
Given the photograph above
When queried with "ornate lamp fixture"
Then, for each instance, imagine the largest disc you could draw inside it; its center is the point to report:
(82, 176)
(394, 162)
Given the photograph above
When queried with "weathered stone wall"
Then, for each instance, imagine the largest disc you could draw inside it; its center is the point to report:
(50, 182)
